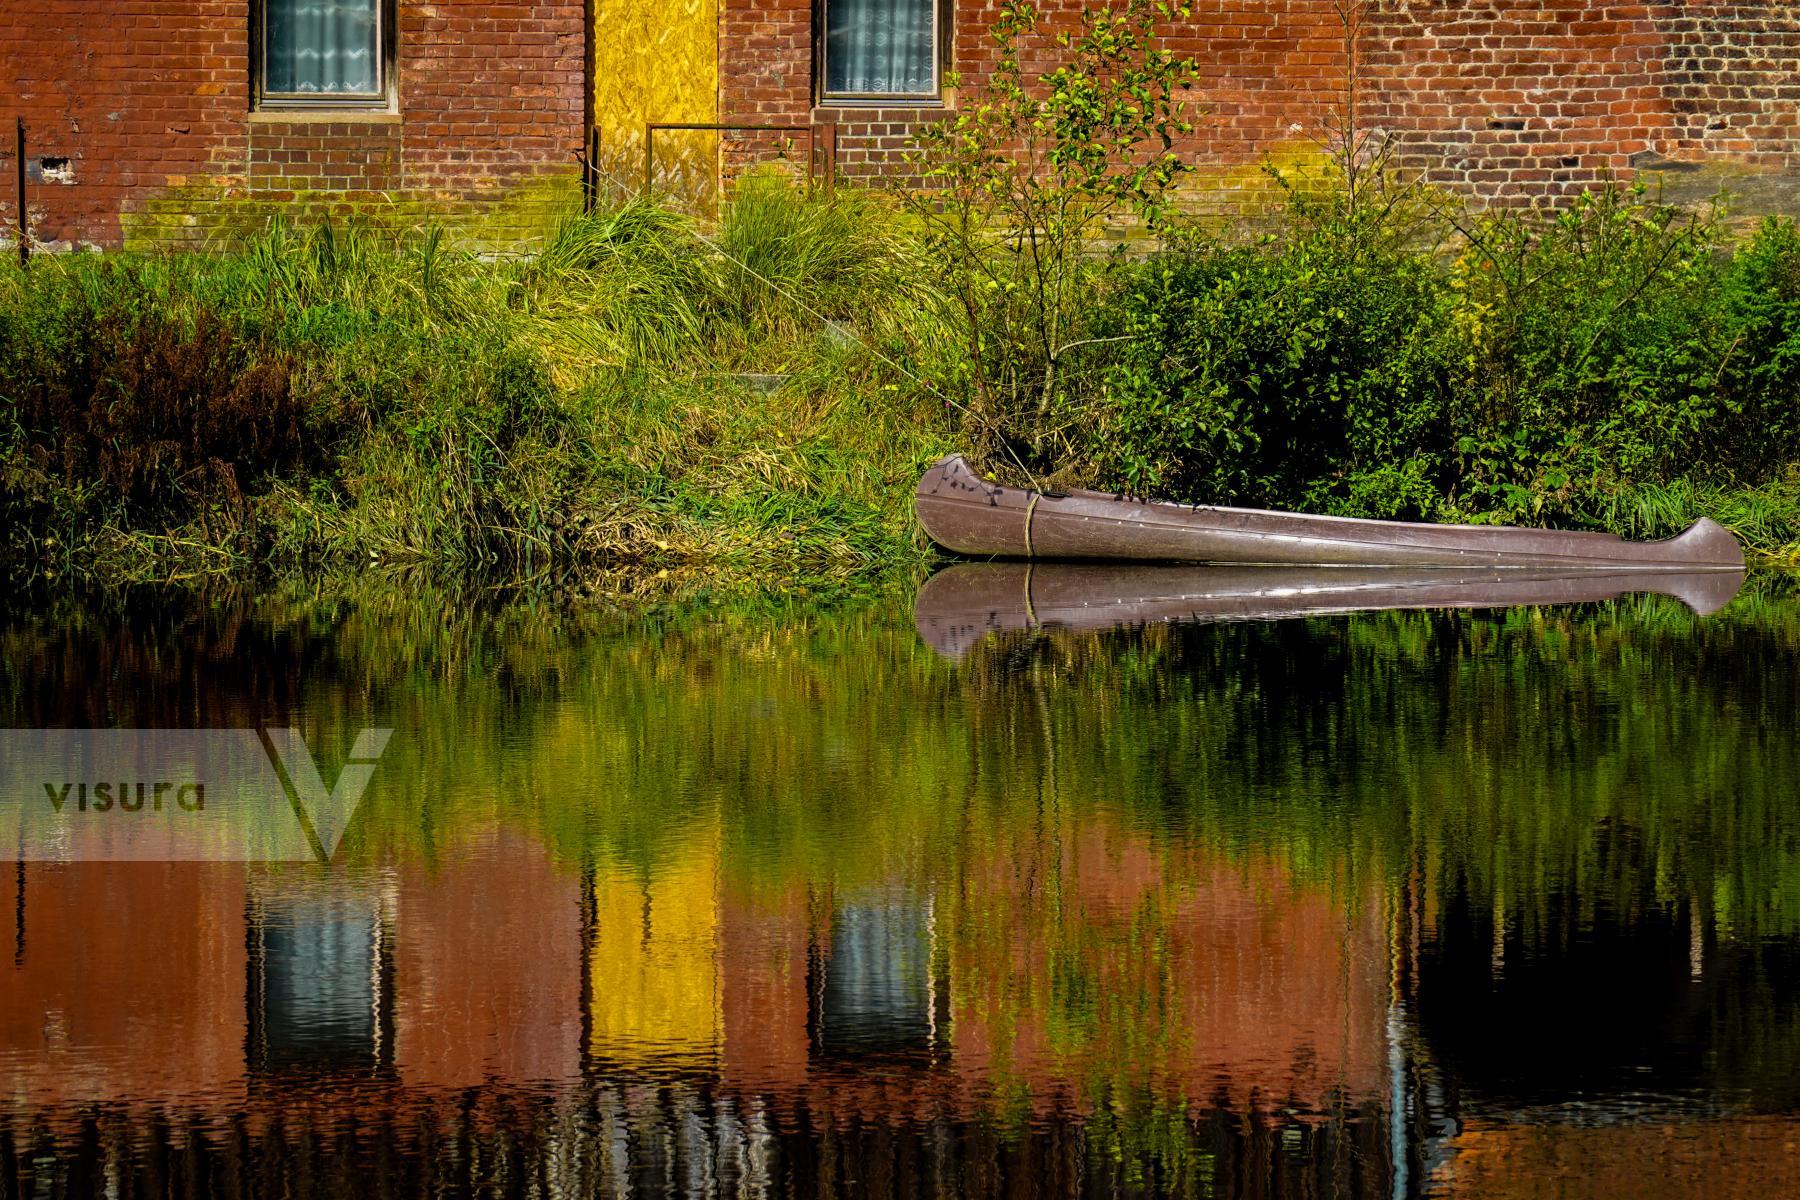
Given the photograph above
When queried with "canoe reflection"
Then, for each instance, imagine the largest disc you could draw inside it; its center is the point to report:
(963, 604)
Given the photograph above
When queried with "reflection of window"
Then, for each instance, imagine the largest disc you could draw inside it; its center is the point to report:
(877, 994)
(881, 49)
(317, 983)
(323, 52)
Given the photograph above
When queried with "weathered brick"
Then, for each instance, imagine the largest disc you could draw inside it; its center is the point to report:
(145, 96)
(1581, 88)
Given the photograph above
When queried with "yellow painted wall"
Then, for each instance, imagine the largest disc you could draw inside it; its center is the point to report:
(655, 963)
(657, 60)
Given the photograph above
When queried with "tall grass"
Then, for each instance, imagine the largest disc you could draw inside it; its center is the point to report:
(1767, 518)
(581, 406)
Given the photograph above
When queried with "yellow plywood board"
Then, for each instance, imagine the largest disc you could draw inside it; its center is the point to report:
(657, 60)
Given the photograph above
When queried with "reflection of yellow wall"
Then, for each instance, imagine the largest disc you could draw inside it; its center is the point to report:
(656, 60)
(655, 960)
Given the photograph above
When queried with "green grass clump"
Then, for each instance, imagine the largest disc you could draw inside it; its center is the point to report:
(356, 392)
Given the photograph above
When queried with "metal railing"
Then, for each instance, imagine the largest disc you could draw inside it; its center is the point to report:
(821, 150)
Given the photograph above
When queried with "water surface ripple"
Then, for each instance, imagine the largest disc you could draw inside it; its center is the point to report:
(785, 899)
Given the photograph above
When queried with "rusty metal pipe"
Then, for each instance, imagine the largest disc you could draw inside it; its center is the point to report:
(24, 230)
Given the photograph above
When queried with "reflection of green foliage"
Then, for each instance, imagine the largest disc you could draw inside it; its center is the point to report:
(1623, 758)
(1508, 752)
(1144, 1144)
(1074, 1001)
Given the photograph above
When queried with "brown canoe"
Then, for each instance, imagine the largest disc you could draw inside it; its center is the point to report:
(970, 515)
(959, 607)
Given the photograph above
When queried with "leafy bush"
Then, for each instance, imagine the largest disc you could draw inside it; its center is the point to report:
(1516, 366)
(1587, 347)
(1759, 370)
(1271, 373)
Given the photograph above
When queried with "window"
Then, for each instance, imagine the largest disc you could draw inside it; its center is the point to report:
(321, 984)
(877, 50)
(323, 53)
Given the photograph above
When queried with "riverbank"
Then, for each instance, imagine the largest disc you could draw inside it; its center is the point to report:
(637, 395)
(757, 398)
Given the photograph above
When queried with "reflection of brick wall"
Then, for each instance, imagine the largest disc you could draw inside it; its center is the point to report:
(148, 101)
(1695, 1158)
(487, 954)
(1207, 979)
(1510, 100)
(124, 985)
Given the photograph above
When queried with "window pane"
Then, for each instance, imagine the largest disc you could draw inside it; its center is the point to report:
(879, 47)
(325, 46)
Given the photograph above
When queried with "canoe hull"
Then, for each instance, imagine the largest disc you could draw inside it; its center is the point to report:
(968, 514)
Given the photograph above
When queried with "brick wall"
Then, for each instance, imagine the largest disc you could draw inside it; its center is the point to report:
(139, 110)
(1264, 65)
(1523, 101)
(1519, 100)
(142, 109)
(1731, 77)
(1504, 100)
(135, 97)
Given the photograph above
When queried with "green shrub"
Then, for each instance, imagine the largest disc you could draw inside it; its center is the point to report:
(340, 393)
(1759, 371)
(1273, 373)
(128, 403)
(1587, 348)
(1524, 367)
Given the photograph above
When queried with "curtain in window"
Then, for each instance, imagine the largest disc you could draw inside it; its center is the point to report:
(879, 47)
(327, 46)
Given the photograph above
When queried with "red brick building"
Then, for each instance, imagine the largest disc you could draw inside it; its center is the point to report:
(150, 119)
(161, 117)
(1511, 98)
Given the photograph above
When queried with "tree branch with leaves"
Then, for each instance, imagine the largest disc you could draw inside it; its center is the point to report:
(1019, 187)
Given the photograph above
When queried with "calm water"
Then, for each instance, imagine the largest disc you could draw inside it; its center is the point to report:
(789, 899)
